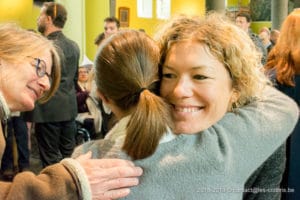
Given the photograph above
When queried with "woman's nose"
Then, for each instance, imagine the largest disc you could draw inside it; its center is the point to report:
(183, 88)
(44, 82)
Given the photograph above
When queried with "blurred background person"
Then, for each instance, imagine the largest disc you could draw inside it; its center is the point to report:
(274, 34)
(264, 35)
(99, 39)
(284, 68)
(55, 126)
(111, 26)
(243, 20)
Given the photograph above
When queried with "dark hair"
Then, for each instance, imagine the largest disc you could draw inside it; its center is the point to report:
(127, 74)
(244, 14)
(112, 19)
(99, 38)
(57, 12)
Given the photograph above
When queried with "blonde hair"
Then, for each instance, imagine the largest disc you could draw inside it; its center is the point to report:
(127, 73)
(17, 43)
(227, 42)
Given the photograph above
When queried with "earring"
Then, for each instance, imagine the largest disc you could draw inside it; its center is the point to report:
(233, 107)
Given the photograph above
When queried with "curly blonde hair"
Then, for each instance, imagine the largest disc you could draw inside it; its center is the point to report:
(227, 42)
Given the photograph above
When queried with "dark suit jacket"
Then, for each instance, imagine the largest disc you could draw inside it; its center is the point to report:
(63, 105)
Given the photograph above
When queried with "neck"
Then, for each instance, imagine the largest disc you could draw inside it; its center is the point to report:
(50, 30)
(117, 111)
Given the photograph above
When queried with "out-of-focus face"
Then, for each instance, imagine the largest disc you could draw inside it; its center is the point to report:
(274, 36)
(41, 21)
(197, 85)
(242, 23)
(110, 28)
(83, 74)
(264, 36)
(22, 84)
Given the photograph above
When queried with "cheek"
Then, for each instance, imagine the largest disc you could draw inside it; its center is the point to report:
(218, 97)
(165, 88)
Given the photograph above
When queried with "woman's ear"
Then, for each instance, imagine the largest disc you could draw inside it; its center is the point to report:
(235, 97)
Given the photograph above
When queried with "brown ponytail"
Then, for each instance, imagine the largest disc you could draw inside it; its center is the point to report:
(146, 126)
(127, 73)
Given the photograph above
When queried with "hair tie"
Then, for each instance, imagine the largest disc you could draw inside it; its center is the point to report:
(141, 90)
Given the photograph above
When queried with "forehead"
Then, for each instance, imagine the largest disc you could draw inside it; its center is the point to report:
(82, 69)
(190, 54)
(241, 19)
(110, 24)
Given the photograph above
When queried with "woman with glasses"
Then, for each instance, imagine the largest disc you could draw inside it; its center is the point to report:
(29, 72)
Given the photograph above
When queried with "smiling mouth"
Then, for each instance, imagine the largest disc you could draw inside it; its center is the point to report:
(35, 92)
(188, 109)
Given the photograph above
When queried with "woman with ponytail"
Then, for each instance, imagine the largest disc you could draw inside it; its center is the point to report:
(127, 79)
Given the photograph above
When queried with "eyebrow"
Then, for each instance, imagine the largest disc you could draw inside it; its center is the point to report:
(194, 68)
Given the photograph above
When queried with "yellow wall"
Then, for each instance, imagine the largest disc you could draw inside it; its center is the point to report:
(31, 21)
(193, 7)
(95, 12)
(17, 11)
(85, 18)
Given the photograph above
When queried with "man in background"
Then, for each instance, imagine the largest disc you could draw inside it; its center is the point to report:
(55, 126)
(243, 20)
(111, 26)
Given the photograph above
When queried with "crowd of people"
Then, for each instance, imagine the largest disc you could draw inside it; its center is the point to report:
(204, 109)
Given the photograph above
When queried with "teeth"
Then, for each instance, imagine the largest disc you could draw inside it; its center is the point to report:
(187, 109)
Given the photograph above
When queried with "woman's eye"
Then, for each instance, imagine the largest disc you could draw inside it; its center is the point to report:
(168, 75)
(200, 77)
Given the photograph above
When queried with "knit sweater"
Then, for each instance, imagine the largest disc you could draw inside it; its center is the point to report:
(215, 163)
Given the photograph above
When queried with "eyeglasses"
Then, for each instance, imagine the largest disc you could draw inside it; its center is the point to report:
(83, 72)
(40, 67)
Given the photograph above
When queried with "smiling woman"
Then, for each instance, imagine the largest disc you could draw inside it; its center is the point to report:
(207, 66)
(27, 62)
(15, 62)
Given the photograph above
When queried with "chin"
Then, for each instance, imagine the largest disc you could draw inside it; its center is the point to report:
(28, 106)
(185, 129)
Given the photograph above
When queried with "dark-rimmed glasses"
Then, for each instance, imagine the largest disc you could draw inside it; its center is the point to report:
(40, 67)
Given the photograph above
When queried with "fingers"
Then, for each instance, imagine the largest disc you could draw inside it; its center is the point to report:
(118, 172)
(116, 194)
(115, 184)
(110, 178)
(126, 172)
(113, 194)
(108, 163)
